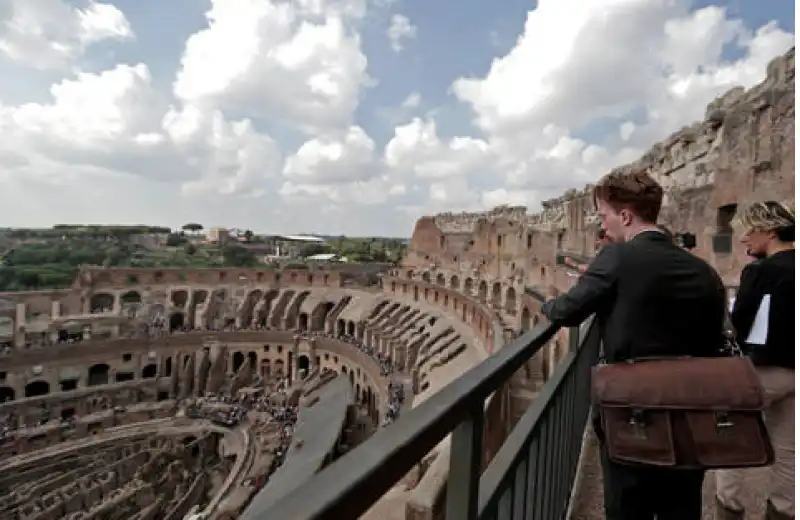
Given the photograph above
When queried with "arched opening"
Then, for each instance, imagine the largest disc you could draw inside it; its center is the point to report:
(511, 301)
(279, 367)
(320, 314)
(468, 286)
(180, 298)
(176, 321)
(440, 279)
(416, 293)
(265, 368)
(426, 277)
(454, 283)
(98, 374)
(351, 328)
(302, 321)
(497, 294)
(352, 377)
(37, 388)
(150, 371)
(483, 290)
(238, 361)
(168, 367)
(303, 363)
(101, 302)
(252, 359)
(339, 328)
(525, 320)
(7, 394)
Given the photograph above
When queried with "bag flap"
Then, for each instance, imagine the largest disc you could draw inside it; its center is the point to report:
(726, 383)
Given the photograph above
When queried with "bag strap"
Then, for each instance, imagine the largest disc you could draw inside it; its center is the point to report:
(729, 334)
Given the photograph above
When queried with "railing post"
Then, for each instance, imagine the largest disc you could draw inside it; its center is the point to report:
(466, 454)
(574, 338)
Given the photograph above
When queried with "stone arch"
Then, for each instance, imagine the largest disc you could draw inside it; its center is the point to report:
(525, 320)
(149, 371)
(303, 363)
(294, 309)
(179, 298)
(238, 361)
(483, 290)
(302, 321)
(279, 367)
(320, 314)
(440, 279)
(7, 394)
(252, 359)
(497, 294)
(98, 374)
(351, 328)
(426, 277)
(454, 283)
(468, 286)
(264, 306)
(249, 306)
(176, 321)
(378, 308)
(511, 300)
(265, 368)
(340, 327)
(131, 297)
(101, 302)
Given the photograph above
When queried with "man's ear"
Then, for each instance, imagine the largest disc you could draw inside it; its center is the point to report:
(626, 217)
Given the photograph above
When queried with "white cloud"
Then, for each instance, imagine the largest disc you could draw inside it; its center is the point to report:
(400, 29)
(50, 34)
(300, 62)
(262, 127)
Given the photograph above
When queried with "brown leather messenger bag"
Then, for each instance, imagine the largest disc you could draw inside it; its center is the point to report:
(683, 413)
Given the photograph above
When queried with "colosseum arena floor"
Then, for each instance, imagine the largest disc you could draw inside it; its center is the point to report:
(157, 394)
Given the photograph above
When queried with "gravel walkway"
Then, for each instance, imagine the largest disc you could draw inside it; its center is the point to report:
(589, 498)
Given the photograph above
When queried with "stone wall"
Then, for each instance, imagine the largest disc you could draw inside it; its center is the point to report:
(742, 151)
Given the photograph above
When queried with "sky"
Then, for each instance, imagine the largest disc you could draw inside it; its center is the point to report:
(348, 116)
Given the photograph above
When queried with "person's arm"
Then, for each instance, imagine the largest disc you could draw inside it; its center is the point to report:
(748, 300)
(584, 298)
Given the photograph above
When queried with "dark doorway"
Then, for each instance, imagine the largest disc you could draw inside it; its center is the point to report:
(37, 388)
(98, 374)
(303, 363)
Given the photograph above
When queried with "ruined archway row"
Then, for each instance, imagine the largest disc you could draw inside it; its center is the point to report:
(463, 307)
(499, 295)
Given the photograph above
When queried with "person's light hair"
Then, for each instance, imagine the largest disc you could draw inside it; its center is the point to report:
(769, 215)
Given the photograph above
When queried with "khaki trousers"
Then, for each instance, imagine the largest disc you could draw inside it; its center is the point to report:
(778, 386)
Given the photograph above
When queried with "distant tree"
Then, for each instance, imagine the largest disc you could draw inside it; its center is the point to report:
(190, 249)
(175, 240)
(248, 236)
(192, 227)
(238, 256)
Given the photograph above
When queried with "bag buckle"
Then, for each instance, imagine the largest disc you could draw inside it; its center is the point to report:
(723, 421)
(638, 423)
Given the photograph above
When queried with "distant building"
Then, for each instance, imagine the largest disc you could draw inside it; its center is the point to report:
(217, 235)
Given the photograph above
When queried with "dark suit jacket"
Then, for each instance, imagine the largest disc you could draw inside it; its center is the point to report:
(651, 298)
(772, 276)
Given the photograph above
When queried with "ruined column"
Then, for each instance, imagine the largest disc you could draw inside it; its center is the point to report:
(19, 326)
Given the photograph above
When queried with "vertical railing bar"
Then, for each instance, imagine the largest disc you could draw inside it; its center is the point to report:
(506, 500)
(541, 474)
(558, 456)
(533, 455)
(548, 462)
(466, 449)
(520, 476)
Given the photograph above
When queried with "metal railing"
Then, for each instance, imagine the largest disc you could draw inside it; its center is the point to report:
(530, 477)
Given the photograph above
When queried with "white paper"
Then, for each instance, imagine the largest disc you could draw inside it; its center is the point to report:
(760, 328)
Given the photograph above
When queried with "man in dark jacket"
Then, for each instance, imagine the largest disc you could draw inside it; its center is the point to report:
(651, 298)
